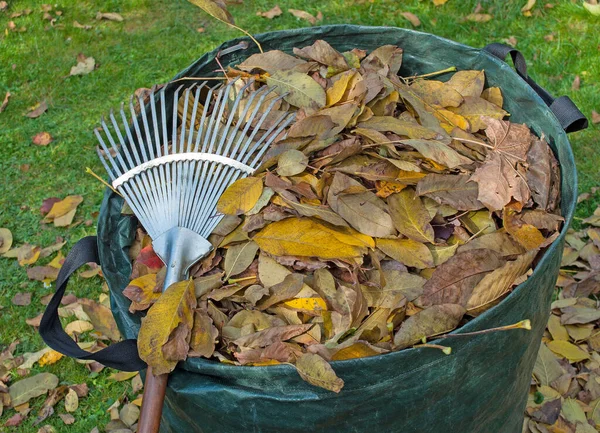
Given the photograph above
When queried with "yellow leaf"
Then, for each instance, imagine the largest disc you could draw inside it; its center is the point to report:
(79, 327)
(410, 216)
(338, 88)
(214, 9)
(172, 312)
(6, 240)
(568, 350)
(122, 375)
(386, 188)
(493, 95)
(50, 357)
(357, 350)
(306, 237)
(141, 291)
(28, 256)
(439, 2)
(240, 196)
(310, 304)
(407, 251)
(56, 261)
(63, 210)
(451, 120)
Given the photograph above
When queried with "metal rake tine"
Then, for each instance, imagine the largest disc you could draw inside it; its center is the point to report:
(149, 141)
(130, 140)
(107, 155)
(220, 107)
(155, 124)
(186, 98)
(123, 149)
(222, 183)
(203, 118)
(288, 119)
(163, 113)
(150, 189)
(104, 163)
(225, 131)
(194, 114)
(244, 137)
(242, 119)
(114, 146)
(241, 150)
(136, 127)
(175, 120)
(216, 171)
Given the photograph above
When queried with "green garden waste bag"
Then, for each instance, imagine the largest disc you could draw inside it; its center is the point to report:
(481, 387)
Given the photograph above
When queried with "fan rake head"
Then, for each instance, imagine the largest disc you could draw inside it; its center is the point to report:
(172, 181)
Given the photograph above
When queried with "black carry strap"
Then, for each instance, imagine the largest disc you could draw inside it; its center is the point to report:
(122, 356)
(567, 113)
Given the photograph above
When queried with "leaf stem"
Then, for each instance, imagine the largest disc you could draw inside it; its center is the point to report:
(447, 350)
(523, 324)
(90, 171)
(433, 74)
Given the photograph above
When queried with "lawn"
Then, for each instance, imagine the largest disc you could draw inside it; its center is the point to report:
(154, 42)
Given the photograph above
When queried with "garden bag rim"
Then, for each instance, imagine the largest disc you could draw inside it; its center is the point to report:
(198, 365)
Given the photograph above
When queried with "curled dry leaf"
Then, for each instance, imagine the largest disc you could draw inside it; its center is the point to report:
(110, 16)
(6, 240)
(37, 110)
(303, 15)
(271, 13)
(42, 139)
(5, 102)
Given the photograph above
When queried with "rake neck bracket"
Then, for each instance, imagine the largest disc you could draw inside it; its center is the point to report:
(179, 248)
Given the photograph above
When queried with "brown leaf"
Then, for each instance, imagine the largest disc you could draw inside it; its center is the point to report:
(41, 273)
(595, 117)
(435, 320)
(102, 318)
(63, 212)
(453, 281)
(479, 18)
(315, 370)
(323, 53)
(287, 289)
(576, 83)
(271, 62)
(215, 8)
(37, 110)
(78, 25)
(5, 102)
(414, 20)
(497, 283)
(499, 181)
(271, 13)
(21, 299)
(204, 335)
(66, 418)
(454, 190)
(83, 66)
(364, 211)
(269, 336)
(110, 16)
(303, 15)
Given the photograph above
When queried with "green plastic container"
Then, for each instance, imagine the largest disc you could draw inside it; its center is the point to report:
(481, 387)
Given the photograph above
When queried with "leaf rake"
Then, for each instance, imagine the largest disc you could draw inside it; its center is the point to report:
(172, 182)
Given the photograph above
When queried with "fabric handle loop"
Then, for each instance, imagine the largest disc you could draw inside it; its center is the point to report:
(122, 356)
(571, 119)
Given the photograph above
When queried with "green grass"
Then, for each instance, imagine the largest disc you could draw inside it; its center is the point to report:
(156, 41)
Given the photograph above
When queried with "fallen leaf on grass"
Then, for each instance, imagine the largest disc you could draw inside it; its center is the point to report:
(414, 20)
(66, 418)
(303, 15)
(439, 2)
(526, 10)
(37, 110)
(5, 102)
(71, 401)
(50, 357)
(479, 18)
(21, 299)
(28, 388)
(271, 13)
(593, 8)
(42, 139)
(102, 318)
(595, 117)
(122, 375)
(6, 240)
(576, 83)
(3, 5)
(63, 212)
(111, 16)
(78, 25)
(84, 66)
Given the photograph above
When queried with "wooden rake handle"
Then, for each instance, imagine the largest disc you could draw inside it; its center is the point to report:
(155, 388)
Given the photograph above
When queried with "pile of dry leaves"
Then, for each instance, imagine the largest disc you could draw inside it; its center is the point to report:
(392, 210)
(565, 393)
